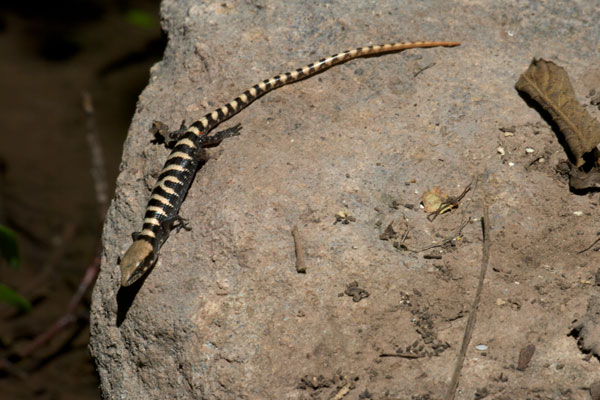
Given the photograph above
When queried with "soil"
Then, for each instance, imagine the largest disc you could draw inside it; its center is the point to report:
(224, 314)
(51, 53)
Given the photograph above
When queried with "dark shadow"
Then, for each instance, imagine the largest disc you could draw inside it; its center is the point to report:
(126, 295)
(548, 118)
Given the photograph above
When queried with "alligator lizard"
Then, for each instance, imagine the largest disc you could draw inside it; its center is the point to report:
(180, 167)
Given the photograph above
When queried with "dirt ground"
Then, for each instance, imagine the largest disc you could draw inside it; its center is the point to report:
(225, 315)
(51, 52)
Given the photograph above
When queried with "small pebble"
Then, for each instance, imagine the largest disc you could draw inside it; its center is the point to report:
(500, 150)
(481, 347)
(578, 213)
(529, 150)
(511, 164)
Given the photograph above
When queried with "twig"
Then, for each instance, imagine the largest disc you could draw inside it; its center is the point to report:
(401, 355)
(69, 317)
(88, 279)
(98, 169)
(425, 68)
(534, 161)
(448, 204)
(58, 326)
(485, 222)
(405, 236)
(442, 243)
(342, 392)
(589, 247)
(300, 265)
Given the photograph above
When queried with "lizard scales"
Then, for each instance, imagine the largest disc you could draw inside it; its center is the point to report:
(179, 170)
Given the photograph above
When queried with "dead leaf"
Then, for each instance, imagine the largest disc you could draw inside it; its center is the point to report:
(433, 199)
(525, 356)
(549, 86)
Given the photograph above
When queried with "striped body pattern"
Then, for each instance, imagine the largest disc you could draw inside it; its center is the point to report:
(172, 184)
(180, 167)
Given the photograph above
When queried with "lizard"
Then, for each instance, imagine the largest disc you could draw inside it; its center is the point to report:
(162, 212)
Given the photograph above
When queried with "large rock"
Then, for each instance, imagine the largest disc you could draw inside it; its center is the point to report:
(225, 315)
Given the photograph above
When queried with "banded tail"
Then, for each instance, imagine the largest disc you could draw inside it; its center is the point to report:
(209, 121)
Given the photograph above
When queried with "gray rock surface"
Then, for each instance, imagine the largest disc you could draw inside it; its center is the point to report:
(225, 315)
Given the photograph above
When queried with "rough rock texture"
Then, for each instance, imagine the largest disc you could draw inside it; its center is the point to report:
(225, 315)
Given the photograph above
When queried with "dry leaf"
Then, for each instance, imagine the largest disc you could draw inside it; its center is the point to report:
(525, 356)
(433, 199)
(549, 86)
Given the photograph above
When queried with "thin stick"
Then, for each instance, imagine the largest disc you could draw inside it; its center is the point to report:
(485, 225)
(425, 68)
(402, 355)
(442, 243)
(449, 204)
(300, 265)
(40, 340)
(98, 170)
(342, 392)
(589, 247)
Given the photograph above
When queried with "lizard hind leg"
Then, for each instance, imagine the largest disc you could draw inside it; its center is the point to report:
(162, 134)
(217, 138)
(175, 222)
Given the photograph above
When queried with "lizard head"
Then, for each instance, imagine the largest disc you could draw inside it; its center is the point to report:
(137, 260)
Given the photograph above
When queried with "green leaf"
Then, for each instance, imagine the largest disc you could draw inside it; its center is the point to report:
(9, 246)
(7, 295)
(140, 18)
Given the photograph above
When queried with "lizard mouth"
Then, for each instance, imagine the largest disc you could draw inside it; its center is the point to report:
(136, 262)
(132, 278)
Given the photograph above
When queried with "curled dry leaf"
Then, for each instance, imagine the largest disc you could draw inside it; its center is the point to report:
(549, 86)
(433, 199)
